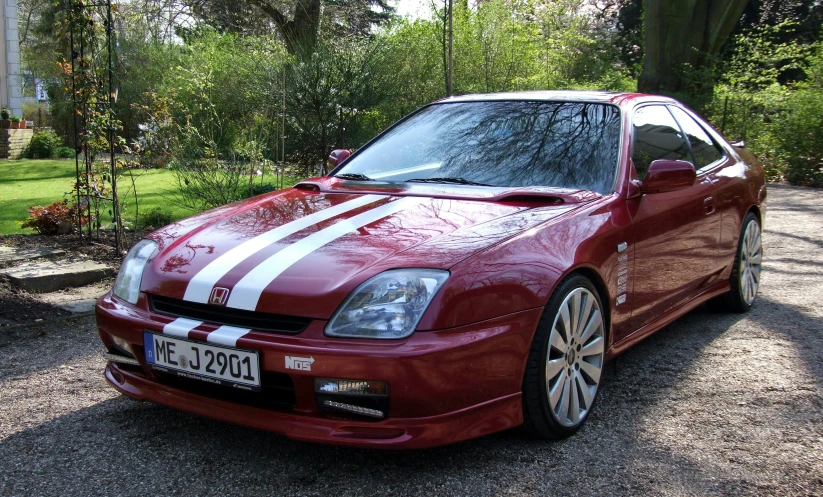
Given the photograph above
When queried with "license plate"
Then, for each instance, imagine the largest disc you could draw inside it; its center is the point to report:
(210, 363)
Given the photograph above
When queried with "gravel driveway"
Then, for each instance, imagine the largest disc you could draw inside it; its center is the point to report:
(715, 404)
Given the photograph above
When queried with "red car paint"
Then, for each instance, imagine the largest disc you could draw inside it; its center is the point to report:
(459, 375)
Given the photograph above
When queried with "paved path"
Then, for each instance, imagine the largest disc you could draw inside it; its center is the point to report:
(715, 404)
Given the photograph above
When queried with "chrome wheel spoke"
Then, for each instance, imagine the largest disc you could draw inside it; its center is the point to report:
(595, 347)
(562, 409)
(575, 313)
(584, 389)
(574, 407)
(594, 325)
(585, 315)
(553, 367)
(591, 370)
(557, 390)
(557, 342)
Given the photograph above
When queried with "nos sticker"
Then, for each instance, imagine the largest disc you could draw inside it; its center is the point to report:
(299, 363)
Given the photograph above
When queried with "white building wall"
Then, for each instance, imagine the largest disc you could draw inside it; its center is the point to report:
(11, 94)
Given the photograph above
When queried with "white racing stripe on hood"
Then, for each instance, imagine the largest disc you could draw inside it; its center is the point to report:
(200, 286)
(181, 327)
(226, 335)
(247, 291)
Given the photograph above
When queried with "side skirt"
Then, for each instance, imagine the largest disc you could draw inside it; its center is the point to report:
(646, 331)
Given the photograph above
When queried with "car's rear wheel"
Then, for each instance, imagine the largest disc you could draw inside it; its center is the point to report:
(745, 278)
(566, 361)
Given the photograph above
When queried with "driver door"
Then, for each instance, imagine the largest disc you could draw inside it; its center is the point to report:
(675, 234)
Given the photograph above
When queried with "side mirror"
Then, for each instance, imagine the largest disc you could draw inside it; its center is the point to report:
(668, 176)
(337, 157)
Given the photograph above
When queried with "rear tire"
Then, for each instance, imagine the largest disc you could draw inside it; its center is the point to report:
(745, 278)
(565, 362)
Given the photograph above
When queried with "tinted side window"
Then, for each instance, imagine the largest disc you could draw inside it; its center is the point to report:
(656, 136)
(703, 147)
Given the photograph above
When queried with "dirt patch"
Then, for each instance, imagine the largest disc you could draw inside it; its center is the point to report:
(19, 307)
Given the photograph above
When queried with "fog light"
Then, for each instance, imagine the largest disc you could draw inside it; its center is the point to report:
(122, 345)
(327, 386)
(365, 411)
(363, 397)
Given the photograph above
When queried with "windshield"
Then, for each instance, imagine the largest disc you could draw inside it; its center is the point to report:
(504, 144)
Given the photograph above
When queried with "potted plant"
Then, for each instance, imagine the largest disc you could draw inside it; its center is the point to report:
(5, 123)
(15, 122)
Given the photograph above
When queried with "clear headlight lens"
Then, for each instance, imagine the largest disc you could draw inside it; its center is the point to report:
(388, 305)
(127, 286)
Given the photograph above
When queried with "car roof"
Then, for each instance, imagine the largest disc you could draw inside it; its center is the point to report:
(616, 98)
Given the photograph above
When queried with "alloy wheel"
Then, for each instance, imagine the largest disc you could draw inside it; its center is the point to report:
(575, 357)
(751, 256)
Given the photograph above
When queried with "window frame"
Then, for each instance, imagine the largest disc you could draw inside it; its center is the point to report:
(724, 155)
(664, 105)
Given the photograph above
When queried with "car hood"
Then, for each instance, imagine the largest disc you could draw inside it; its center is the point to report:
(303, 250)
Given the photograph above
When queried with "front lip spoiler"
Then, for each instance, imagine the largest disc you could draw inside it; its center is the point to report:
(391, 433)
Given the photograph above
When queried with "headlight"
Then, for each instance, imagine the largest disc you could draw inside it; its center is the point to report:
(127, 286)
(388, 305)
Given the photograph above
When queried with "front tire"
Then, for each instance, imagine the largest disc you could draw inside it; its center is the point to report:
(566, 361)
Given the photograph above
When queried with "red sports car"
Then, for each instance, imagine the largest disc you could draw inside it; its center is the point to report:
(469, 270)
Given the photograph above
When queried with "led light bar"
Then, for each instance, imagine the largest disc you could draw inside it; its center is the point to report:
(329, 386)
(365, 411)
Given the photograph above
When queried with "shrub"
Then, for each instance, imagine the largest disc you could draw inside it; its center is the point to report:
(799, 133)
(43, 145)
(155, 218)
(261, 189)
(63, 153)
(55, 219)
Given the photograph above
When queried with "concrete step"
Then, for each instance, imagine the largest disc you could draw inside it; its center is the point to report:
(79, 300)
(50, 276)
(9, 255)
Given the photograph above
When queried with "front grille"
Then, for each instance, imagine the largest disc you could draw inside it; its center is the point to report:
(277, 390)
(262, 321)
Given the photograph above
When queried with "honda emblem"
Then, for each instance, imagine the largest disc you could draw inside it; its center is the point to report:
(219, 296)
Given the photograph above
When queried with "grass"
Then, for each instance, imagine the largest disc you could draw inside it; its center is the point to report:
(28, 182)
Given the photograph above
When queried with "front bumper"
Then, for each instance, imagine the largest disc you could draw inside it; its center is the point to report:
(444, 386)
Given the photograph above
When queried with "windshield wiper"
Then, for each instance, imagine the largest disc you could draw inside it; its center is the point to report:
(353, 176)
(458, 181)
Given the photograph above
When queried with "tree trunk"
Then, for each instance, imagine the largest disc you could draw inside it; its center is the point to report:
(300, 33)
(682, 38)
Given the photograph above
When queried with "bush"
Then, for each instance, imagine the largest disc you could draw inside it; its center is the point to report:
(799, 134)
(43, 145)
(155, 218)
(56, 219)
(63, 153)
(261, 189)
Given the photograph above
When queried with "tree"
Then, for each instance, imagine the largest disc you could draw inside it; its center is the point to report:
(683, 35)
(299, 23)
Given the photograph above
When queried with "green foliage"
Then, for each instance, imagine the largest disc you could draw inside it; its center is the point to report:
(780, 117)
(63, 153)
(155, 218)
(44, 144)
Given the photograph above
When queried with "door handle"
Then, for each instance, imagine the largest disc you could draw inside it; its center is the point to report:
(708, 203)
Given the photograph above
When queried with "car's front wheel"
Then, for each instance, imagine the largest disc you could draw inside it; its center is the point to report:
(566, 361)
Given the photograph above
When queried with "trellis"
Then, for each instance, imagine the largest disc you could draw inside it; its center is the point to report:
(91, 84)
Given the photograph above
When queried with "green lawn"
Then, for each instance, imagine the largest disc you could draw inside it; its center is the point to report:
(27, 182)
